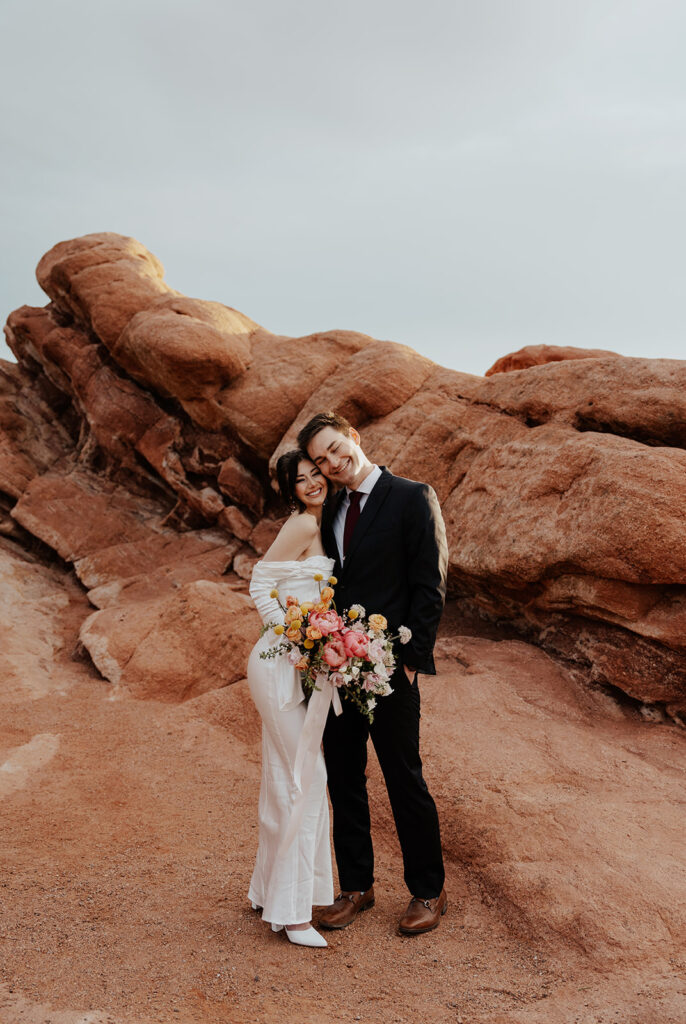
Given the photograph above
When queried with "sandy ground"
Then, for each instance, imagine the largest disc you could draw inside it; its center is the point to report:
(128, 835)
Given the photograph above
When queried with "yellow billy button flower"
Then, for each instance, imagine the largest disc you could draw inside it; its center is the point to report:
(353, 614)
(305, 608)
(273, 593)
(333, 581)
(308, 644)
(278, 630)
(318, 577)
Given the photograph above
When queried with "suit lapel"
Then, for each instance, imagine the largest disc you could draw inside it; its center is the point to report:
(369, 513)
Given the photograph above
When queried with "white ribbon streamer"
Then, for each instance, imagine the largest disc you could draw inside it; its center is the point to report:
(323, 697)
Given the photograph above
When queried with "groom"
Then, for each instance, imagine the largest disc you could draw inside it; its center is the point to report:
(387, 537)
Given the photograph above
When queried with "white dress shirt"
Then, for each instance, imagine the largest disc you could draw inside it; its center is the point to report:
(364, 489)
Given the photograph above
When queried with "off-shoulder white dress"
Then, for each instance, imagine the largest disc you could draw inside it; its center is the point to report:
(286, 885)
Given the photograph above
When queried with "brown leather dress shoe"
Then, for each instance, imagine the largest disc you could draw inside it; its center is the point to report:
(345, 908)
(423, 915)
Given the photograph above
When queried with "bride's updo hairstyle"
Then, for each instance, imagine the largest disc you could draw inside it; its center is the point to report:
(286, 472)
(286, 475)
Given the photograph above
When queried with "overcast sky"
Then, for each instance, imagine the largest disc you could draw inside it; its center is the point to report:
(463, 176)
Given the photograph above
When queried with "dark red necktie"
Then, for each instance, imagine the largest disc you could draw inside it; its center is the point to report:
(351, 517)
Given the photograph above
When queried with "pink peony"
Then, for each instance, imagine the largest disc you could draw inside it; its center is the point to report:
(326, 622)
(376, 650)
(334, 653)
(355, 643)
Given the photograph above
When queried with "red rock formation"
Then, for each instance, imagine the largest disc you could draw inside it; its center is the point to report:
(136, 413)
(537, 355)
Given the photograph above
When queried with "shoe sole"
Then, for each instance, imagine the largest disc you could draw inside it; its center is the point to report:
(339, 927)
(423, 931)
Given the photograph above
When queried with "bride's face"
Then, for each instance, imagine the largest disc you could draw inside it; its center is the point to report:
(310, 485)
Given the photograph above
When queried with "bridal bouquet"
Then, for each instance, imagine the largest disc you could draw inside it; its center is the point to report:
(354, 650)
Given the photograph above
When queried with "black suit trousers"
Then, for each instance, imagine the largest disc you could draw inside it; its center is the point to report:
(395, 735)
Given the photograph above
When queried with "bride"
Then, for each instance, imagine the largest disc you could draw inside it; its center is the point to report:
(289, 876)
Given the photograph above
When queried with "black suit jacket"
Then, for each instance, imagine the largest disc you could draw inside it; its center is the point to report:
(397, 562)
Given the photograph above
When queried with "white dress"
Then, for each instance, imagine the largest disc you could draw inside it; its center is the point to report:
(287, 885)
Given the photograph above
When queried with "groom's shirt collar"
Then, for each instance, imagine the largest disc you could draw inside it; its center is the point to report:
(364, 489)
(366, 486)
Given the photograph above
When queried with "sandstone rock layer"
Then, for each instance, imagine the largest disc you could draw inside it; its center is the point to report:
(138, 427)
(537, 355)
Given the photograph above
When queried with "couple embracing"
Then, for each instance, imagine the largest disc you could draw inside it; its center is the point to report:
(380, 539)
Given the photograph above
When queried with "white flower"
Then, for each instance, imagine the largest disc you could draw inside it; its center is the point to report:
(385, 691)
(371, 704)
(293, 657)
(359, 609)
(380, 670)
(355, 671)
(405, 634)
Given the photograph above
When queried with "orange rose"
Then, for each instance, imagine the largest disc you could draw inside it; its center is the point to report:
(293, 633)
(313, 634)
(291, 600)
(378, 622)
(302, 664)
(327, 594)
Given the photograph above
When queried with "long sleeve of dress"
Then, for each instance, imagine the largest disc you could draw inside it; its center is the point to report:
(261, 585)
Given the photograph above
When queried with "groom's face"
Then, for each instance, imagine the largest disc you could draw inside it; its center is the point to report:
(338, 456)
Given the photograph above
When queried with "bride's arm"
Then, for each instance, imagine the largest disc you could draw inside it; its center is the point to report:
(294, 538)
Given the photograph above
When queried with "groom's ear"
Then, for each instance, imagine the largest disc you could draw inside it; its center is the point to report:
(354, 435)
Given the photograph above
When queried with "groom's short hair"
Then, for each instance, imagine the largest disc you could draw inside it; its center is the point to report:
(319, 422)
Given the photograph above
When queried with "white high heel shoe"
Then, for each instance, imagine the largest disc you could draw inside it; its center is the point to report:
(302, 936)
(305, 937)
